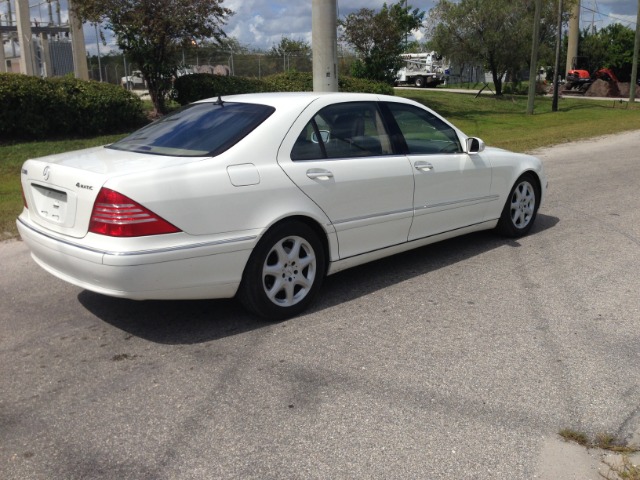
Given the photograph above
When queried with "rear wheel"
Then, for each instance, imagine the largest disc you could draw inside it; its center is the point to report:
(284, 272)
(419, 82)
(521, 207)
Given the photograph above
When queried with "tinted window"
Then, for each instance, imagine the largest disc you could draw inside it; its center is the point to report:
(344, 130)
(424, 132)
(200, 129)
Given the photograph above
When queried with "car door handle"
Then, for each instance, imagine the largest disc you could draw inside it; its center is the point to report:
(319, 173)
(424, 166)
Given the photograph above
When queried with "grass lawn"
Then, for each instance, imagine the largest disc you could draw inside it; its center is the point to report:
(500, 122)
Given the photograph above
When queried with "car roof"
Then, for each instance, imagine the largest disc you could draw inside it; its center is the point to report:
(302, 99)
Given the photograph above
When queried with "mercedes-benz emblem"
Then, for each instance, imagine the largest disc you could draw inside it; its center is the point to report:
(46, 172)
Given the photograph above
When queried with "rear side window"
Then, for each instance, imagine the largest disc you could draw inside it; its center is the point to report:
(200, 129)
(352, 129)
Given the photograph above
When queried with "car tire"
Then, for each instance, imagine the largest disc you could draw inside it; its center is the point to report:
(284, 272)
(419, 82)
(521, 207)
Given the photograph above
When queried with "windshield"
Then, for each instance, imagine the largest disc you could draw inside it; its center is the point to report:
(200, 129)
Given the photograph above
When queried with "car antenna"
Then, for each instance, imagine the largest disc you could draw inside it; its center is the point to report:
(219, 101)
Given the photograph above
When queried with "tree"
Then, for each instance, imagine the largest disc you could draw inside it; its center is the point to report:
(293, 54)
(494, 32)
(151, 32)
(379, 39)
(610, 47)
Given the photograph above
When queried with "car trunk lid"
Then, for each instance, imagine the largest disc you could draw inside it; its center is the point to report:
(60, 190)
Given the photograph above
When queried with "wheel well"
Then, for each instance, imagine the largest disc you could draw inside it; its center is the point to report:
(316, 227)
(537, 183)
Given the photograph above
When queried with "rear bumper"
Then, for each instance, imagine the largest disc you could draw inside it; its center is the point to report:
(196, 270)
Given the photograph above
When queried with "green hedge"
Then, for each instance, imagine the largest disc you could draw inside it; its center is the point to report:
(190, 88)
(37, 109)
(352, 84)
(303, 82)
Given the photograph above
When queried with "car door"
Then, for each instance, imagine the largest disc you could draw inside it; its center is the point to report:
(341, 157)
(452, 188)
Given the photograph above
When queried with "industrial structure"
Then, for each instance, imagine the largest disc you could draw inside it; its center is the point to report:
(44, 49)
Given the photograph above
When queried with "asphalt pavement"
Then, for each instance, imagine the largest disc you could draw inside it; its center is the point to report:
(460, 360)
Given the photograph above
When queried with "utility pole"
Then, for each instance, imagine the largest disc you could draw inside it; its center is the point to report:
(3, 60)
(78, 48)
(25, 37)
(556, 67)
(324, 39)
(574, 35)
(98, 47)
(634, 68)
(533, 68)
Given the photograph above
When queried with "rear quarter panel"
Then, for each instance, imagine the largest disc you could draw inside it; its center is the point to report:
(201, 199)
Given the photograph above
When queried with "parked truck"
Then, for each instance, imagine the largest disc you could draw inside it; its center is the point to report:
(421, 70)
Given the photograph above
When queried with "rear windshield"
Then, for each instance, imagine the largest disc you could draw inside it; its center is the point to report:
(200, 129)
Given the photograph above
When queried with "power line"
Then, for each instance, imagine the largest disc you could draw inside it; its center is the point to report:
(629, 23)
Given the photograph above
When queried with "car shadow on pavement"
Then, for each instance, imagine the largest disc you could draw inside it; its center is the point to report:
(172, 322)
(198, 321)
(368, 278)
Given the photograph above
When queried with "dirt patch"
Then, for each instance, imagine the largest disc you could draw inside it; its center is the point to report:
(600, 88)
(624, 90)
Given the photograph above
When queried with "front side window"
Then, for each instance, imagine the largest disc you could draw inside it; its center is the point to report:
(424, 133)
(200, 129)
(353, 129)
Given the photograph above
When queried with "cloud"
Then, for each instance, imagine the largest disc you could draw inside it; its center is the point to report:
(619, 7)
(263, 23)
(605, 12)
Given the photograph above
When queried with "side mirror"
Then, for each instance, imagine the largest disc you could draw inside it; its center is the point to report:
(474, 145)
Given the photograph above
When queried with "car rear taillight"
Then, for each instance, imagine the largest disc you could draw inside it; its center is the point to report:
(116, 215)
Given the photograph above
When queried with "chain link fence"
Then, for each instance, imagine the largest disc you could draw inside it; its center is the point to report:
(111, 68)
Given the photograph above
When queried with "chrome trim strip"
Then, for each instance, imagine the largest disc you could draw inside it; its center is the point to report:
(373, 215)
(139, 252)
(178, 248)
(485, 199)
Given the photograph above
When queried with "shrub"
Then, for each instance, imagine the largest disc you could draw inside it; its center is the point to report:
(36, 109)
(291, 82)
(352, 84)
(98, 108)
(27, 106)
(303, 82)
(190, 88)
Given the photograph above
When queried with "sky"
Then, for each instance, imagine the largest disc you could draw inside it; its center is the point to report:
(263, 23)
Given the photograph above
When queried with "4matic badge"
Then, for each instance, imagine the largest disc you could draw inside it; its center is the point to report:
(85, 187)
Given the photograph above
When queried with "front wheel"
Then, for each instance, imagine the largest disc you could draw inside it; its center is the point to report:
(284, 272)
(521, 207)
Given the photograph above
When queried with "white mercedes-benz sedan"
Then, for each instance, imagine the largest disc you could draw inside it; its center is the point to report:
(263, 195)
